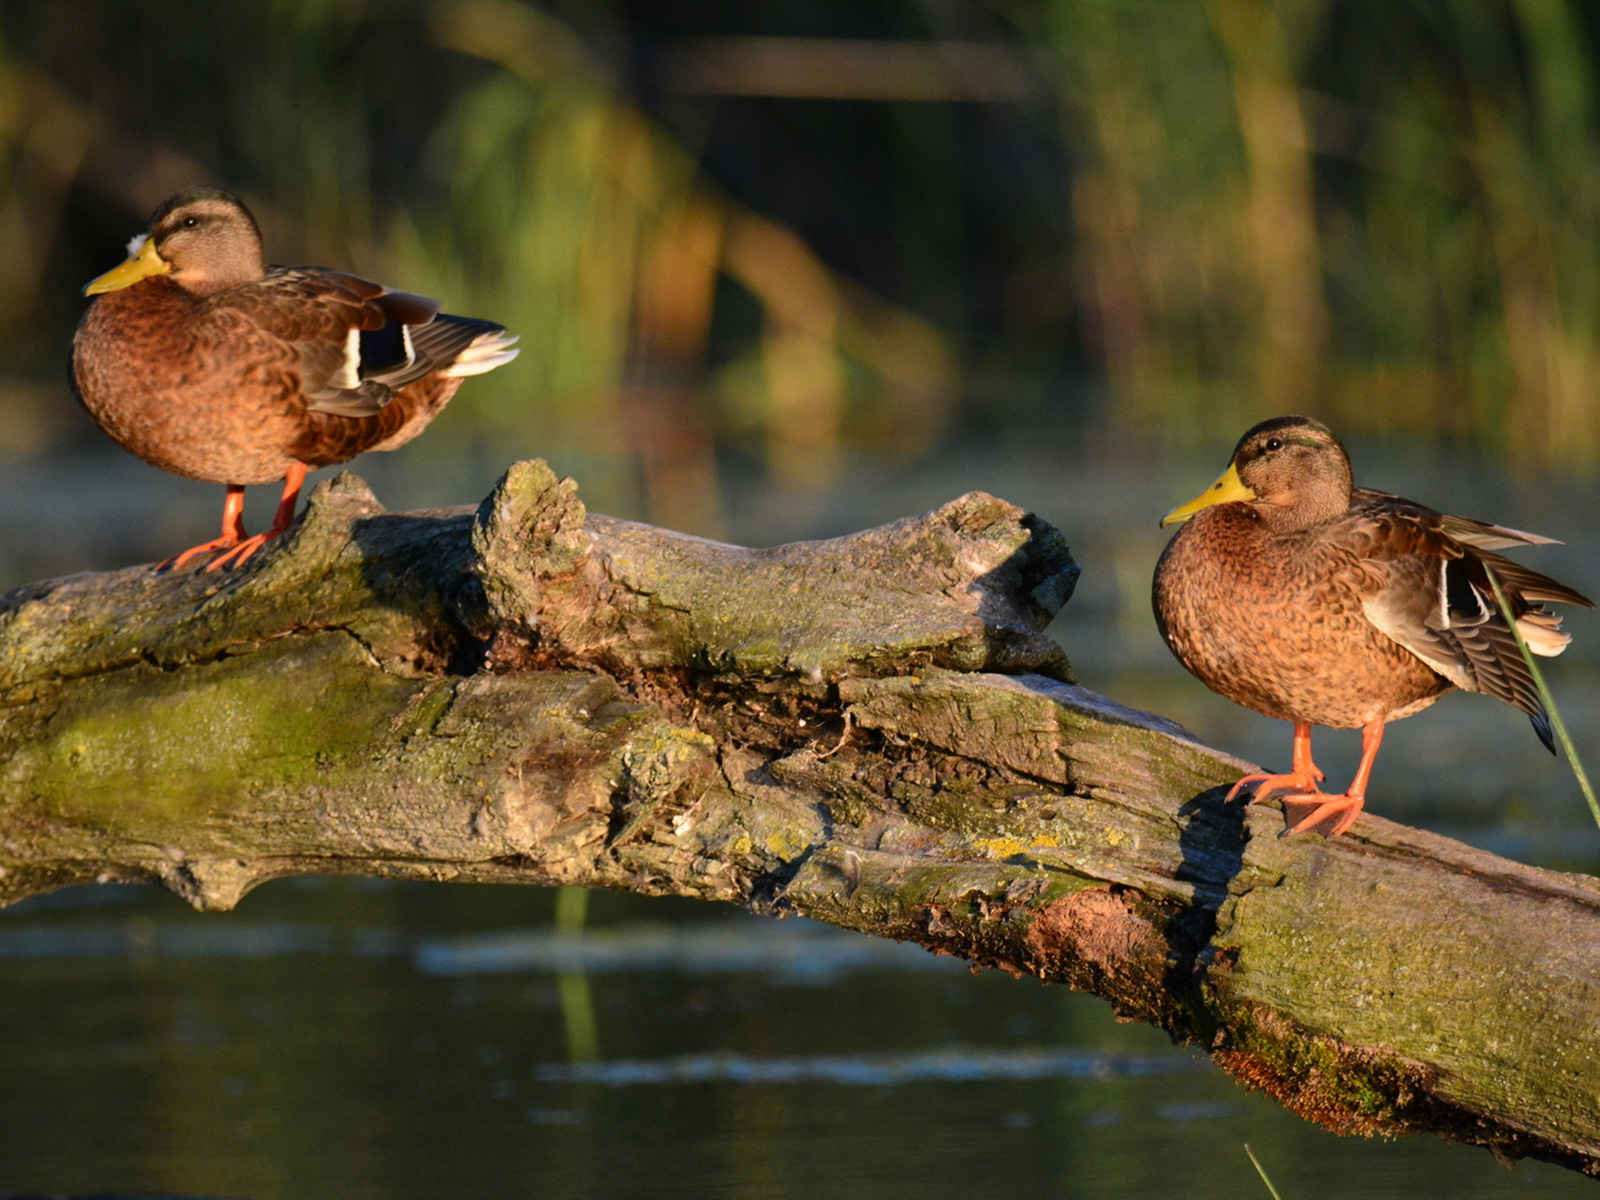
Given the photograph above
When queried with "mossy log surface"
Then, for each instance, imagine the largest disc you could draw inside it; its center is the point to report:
(872, 731)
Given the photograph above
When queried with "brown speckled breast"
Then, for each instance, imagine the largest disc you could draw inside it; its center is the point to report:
(166, 380)
(1275, 623)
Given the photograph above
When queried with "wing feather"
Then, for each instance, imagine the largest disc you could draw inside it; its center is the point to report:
(355, 342)
(1437, 600)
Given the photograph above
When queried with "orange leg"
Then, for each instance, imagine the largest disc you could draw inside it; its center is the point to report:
(232, 530)
(1302, 777)
(235, 555)
(1335, 814)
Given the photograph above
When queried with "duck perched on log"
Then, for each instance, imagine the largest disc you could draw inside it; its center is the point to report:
(1294, 593)
(204, 362)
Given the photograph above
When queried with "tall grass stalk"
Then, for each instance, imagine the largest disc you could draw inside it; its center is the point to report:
(1261, 1171)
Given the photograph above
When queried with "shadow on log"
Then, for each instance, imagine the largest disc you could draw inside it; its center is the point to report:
(871, 731)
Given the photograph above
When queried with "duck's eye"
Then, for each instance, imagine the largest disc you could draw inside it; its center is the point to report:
(190, 222)
(1273, 444)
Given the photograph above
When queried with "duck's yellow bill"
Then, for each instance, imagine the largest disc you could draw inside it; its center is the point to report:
(1228, 488)
(142, 262)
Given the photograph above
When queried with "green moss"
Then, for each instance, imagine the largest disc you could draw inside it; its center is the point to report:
(971, 808)
(146, 743)
(1344, 1088)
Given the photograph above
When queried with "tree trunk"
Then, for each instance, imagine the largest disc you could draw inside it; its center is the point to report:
(871, 731)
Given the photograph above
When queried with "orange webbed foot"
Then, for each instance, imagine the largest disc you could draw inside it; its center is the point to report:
(236, 547)
(234, 551)
(1328, 815)
(239, 553)
(1263, 787)
(1303, 775)
(215, 544)
(232, 532)
(1332, 815)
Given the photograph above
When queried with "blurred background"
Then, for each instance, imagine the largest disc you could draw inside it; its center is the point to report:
(788, 269)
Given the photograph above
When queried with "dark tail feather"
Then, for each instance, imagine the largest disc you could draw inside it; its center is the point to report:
(1541, 726)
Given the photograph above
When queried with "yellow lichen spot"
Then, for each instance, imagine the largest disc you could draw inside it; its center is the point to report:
(785, 845)
(998, 847)
(1010, 847)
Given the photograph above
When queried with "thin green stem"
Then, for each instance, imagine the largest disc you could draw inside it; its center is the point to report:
(1556, 722)
(572, 987)
(1261, 1171)
(572, 910)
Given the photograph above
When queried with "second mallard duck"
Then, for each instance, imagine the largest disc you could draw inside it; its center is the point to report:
(204, 362)
(1296, 594)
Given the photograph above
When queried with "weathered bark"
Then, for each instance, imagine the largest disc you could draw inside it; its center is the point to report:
(871, 731)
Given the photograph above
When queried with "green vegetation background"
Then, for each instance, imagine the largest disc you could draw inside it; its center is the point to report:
(1142, 219)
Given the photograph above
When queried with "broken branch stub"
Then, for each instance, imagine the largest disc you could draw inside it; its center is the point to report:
(969, 586)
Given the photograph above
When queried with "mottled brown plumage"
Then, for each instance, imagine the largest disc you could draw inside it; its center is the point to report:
(204, 362)
(1298, 595)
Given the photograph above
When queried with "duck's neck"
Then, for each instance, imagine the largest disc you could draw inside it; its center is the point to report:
(1314, 500)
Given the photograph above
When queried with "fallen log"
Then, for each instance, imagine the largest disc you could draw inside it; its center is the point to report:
(871, 731)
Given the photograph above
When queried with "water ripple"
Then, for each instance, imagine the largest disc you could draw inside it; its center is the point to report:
(950, 1064)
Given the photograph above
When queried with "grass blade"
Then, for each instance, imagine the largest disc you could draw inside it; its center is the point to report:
(1261, 1171)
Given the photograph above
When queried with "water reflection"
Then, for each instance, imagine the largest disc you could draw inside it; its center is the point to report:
(343, 1039)
(946, 1064)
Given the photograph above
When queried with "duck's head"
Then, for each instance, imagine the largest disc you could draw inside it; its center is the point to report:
(203, 239)
(1291, 470)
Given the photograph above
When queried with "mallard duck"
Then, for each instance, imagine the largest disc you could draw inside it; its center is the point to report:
(1296, 594)
(205, 362)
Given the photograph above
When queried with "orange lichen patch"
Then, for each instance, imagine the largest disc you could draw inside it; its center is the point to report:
(1098, 941)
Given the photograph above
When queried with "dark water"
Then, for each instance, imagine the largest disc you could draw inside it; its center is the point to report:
(348, 1039)
(335, 1039)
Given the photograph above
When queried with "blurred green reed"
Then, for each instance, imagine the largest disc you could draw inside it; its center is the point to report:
(1385, 214)
(1382, 212)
